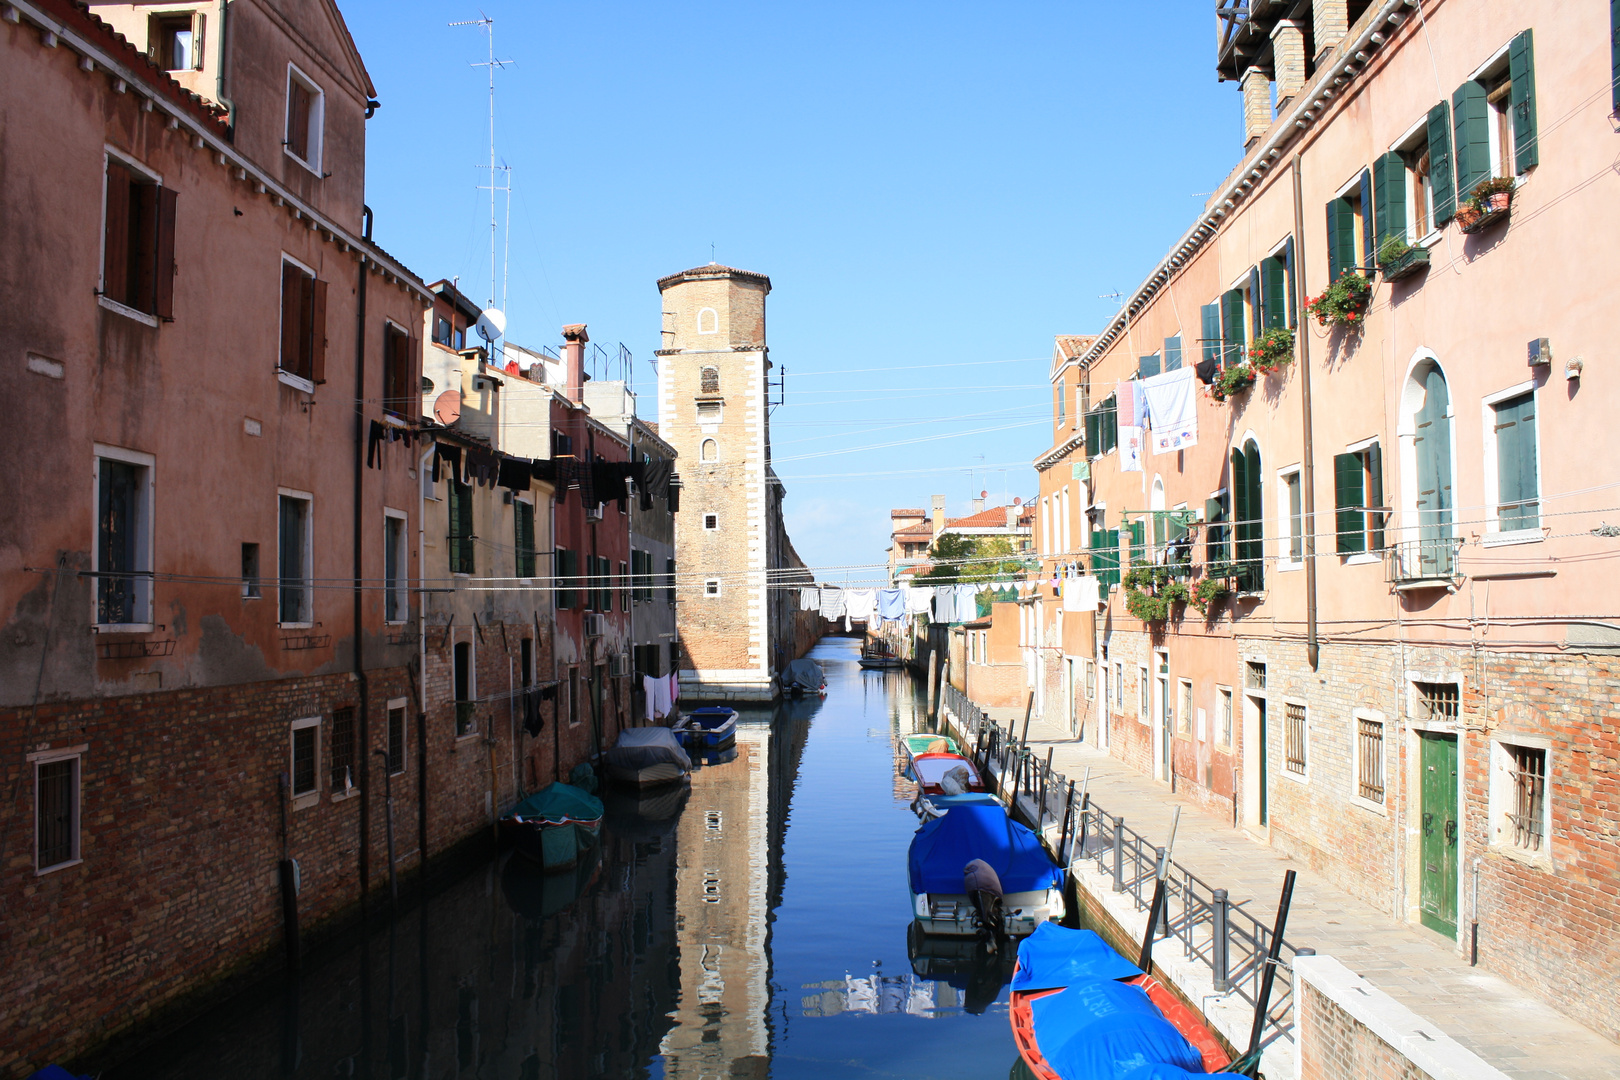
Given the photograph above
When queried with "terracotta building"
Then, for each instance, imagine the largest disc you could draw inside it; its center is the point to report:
(1398, 516)
(209, 543)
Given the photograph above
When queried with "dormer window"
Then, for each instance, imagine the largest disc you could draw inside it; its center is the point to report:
(175, 40)
(306, 113)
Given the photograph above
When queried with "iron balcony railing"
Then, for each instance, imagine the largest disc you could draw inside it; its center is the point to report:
(1429, 559)
(1212, 930)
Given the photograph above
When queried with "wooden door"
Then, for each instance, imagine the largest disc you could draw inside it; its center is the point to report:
(1438, 892)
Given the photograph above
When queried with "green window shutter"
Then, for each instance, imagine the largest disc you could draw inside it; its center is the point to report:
(1232, 338)
(453, 514)
(1516, 463)
(1147, 366)
(1209, 319)
(1093, 433)
(1440, 173)
(1333, 239)
(1369, 245)
(1172, 353)
(1111, 539)
(1469, 122)
(1288, 277)
(523, 521)
(1239, 483)
(1108, 424)
(1137, 541)
(1341, 237)
(1389, 194)
(1522, 70)
(1256, 307)
(1274, 293)
(1215, 530)
(1375, 497)
(1347, 502)
(1248, 516)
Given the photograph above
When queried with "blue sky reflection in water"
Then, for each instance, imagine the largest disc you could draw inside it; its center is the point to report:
(711, 937)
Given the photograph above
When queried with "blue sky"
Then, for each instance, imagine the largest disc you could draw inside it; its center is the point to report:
(935, 191)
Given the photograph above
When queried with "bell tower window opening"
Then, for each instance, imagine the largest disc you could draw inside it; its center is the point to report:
(709, 380)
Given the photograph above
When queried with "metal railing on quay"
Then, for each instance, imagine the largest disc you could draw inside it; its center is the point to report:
(1213, 930)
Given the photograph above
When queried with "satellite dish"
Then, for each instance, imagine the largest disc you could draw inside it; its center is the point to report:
(447, 407)
(491, 324)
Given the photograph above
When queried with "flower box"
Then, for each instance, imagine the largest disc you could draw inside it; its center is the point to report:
(1484, 220)
(1409, 262)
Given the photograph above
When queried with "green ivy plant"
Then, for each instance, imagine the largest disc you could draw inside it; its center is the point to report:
(1344, 302)
(1392, 249)
(1272, 349)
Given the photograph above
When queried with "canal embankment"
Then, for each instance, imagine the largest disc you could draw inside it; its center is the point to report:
(1374, 985)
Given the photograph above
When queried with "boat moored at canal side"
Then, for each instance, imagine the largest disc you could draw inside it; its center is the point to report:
(645, 757)
(1032, 884)
(937, 774)
(710, 727)
(554, 825)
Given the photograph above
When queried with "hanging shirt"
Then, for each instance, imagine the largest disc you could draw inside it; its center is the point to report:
(967, 603)
(649, 686)
(919, 599)
(891, 604)
(832, 604)
(860, 603)
(944, 604)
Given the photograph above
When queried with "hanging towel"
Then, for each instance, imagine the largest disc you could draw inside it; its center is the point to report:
(1130, 449)
(1172, 409)
(860, 603)
(1126, 397)
(832, 604)
(891, 604)
(532, 722)
(661, 702)
(1079, 593)
(515, 473)
(810, 599)
(967, 603)
(649, 689)
(674, 688)
(919, 599)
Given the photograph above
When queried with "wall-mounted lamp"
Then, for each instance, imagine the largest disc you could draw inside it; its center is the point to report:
(1572, 369)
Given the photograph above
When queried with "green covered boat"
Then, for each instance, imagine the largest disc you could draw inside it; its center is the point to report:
(554, 825)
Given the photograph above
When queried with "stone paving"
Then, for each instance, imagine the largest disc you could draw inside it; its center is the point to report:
(1518, 1034)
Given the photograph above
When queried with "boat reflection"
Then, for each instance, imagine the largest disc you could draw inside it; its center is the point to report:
(966, 964)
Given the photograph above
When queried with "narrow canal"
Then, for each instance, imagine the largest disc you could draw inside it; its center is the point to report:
(755, 927)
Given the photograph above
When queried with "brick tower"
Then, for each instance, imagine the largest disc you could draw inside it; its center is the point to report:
(736, 631)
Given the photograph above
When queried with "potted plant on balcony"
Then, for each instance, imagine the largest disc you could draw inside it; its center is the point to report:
(1272, 350)
(1490, 203)
(1213, 587)
(1151, 591)
(1398, 259)
(1232, 380)
(1344, 302)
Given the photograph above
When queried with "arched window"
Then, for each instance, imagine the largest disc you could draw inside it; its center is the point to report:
(708, 321)
(1248, 518)
(709, 380)
(710, 451)
(1426, 405)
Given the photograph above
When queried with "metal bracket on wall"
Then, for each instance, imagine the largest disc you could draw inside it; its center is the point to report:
(480, 628)
(134, 650)
(447, 627)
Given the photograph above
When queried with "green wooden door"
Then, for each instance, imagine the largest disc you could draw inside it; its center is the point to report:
(1438, 893)
(1265, 735)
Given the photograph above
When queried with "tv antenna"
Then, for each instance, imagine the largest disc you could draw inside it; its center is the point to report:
(500, 175)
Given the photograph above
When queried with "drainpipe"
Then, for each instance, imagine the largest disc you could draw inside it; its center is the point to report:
(1313, 648)
(359, 548)
(219, 89)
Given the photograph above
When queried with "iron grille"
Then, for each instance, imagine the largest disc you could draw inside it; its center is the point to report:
(55, 811)
(1255, 676)
(1294, 737)
(1529, 796)
(1437, 701)
(1370, 747)
(303, 771)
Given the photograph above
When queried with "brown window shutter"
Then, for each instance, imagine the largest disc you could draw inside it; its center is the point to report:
(163, 300)
(298, 102)
(292, 316)
(317, 349)
(115, 261)
(411, 377)
(144, 205)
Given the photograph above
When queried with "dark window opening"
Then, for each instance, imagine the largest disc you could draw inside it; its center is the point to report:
(175, 41)
(294, 563)
(303, 751)
(396, 740)
(56, 804)
(399, 350)
(523, 525)
(137, 265)
(462, 677)
(122, 563)
(526, 661)
(343, 764)
(251, 588)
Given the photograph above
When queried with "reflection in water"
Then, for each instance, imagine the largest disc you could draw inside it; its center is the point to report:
(704, 939)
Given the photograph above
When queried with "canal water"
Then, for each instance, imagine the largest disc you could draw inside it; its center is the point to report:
(754, 926)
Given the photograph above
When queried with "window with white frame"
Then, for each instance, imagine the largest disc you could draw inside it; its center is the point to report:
(1518, 796)
(1184, 712)
(1223, 714)
(1291, 513)
(137, 242)
(1369, 757)
(306, 119)
(123, 546)
(396, 735)
(294, 543)
(304, 755)
(1144, 707)
(343, 766)
(711, 587)
(1512, 457)
(1295, 737)
(56, 808)
(711, 522)
(175, 40)
(302, 361)
(395, 605)
(1091, 680)
(1119, 687)
(252, 588)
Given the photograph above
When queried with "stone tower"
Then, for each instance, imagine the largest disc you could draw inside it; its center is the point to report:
(736, 630)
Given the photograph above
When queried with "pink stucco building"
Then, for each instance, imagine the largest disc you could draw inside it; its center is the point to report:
(1408, 680)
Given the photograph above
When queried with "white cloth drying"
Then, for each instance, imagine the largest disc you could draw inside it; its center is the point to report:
(860, 603)
(919, 599)
(1172, 410)
(1080, 593)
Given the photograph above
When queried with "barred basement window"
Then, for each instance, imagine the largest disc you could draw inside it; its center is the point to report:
(343, 775)
(1255, 676)
(1529, 773)
(306, 741)
(1437, 701)
(1294, 737)
(56, 812)
(1370, 759)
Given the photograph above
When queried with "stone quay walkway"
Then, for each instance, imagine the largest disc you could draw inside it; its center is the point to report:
(1520, 1035)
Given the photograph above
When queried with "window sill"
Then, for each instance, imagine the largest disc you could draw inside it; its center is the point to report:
(1541, 860)
(296, 626)
(1365, 559)
(314, 167)
(1289, 567)
(1431, 238)
(1368, 805)
(1302, 779)
(345, 796)
(54, 867)
(297, 382)
(123, 628)
(1515, 536)
(395, 622)
(128, 312)
(306, 800)
(469, 736)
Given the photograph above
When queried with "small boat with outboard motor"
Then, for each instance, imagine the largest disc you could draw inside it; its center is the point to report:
(710, 727)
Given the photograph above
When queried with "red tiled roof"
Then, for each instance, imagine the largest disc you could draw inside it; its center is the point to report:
(908, 513)
(911, 571)
(924, 529)
(1072, 345)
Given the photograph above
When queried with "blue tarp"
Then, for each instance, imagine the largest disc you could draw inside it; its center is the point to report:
(1055, 956)
(1103, 1030)
(967, 798)
(942, 847)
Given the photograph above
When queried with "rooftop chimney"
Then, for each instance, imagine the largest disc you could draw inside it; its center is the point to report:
(574, 339)
(939, 515)
(978, 506)
(1012, 518)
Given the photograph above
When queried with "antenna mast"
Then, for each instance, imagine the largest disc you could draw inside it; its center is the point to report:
(488, 25)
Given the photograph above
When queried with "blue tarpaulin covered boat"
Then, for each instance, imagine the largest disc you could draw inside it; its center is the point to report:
(1032, 884)
(1080, 1011)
